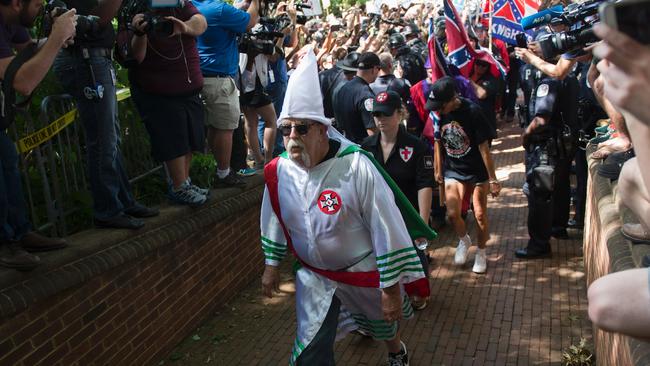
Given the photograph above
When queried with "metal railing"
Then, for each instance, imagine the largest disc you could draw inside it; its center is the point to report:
(54, 172)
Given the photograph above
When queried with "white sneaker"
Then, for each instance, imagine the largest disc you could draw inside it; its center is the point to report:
(461, 253)
(480, 262)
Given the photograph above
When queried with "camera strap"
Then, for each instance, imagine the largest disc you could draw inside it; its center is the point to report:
(8, 97)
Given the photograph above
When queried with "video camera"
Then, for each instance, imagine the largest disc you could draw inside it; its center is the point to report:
(580, 18)
(156, 23)
(86, 24)
(261, 39)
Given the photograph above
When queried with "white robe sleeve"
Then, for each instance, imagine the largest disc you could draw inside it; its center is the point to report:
(274, 244)
(397, 260)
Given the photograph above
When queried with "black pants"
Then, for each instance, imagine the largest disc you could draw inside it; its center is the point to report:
(239, 150)
(540, 201)
(320, 352)
(562, 193)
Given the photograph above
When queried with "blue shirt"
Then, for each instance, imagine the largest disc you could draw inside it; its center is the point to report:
(218, 45)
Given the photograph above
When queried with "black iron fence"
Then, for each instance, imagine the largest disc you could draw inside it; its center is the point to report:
(53, 163)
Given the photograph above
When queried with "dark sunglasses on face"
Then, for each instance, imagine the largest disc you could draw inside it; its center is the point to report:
(302, 129)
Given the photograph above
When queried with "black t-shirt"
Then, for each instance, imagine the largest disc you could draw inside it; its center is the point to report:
(105, 38)
(410, 163)
(352, 106)
(382, 82)
(461, 132)
(329, 79)
(489, 83)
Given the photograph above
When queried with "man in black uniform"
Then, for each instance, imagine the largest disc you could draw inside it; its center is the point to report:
(528, 76)
(413, 40)
(86, 72)
(412, 63)
(332, 79)
(388, 81)
(545, 151)
(353, 102)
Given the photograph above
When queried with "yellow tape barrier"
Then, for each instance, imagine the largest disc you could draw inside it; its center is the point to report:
(43, 135)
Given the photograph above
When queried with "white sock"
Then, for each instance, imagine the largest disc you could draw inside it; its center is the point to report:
(223, 173)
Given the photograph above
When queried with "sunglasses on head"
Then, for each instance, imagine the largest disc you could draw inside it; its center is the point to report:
(302, 129)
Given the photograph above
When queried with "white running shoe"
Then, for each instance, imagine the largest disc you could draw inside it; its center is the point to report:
(480, 261)
(461, 253)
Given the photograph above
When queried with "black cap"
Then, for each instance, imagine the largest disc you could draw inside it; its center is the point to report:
(396, 40)
(442, 91)
(386, 102)
(409, 29)
(368, 60)
(350, 62)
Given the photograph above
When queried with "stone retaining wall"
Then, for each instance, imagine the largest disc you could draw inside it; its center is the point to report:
(116, 297)
(607, 251)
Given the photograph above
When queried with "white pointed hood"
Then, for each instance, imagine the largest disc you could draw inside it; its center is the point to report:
(303, 98)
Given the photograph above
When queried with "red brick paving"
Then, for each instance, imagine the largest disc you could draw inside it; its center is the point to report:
(519, 313)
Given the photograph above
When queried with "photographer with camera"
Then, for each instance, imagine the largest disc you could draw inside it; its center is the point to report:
(23, 75)
(165, 84)
(219, 54)
(85, 70)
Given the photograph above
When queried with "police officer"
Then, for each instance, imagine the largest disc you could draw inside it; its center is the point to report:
(353, 102)
(546, 157)
(406, 158)
(412, 63)
(412, 34)
(388, 81)
(528, 76)
(332, 79)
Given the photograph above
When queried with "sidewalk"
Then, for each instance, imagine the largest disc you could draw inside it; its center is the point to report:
(519, 313)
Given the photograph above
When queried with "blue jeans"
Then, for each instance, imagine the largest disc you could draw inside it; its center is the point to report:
(109, 183)
(276, 92)
(13, 213)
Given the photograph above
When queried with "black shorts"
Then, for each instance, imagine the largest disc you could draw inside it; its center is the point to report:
(175, 123)
(255, 99)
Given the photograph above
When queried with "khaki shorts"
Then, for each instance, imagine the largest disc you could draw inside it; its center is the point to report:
(221, 98)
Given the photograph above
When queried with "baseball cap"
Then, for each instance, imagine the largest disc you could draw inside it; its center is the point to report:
(442, 91)
(368, 60)
(386, 102)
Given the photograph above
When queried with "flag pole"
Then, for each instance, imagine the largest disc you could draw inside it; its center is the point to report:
(490, 26)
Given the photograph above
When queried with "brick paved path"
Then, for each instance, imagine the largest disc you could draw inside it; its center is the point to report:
(519, 313)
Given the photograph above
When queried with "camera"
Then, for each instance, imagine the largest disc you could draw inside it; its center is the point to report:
(579, 17)
(261, 39)
(86, 24)
(156, 23)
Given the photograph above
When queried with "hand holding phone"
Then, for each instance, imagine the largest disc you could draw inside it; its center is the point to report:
(630, 17)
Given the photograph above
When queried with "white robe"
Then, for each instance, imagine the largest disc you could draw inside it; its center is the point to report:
(357, 228)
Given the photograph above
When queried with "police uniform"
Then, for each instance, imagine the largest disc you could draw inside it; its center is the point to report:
(352, 107)
(543, 155)
(528, 76)
(329, 79)
(391, 82)
(412, 64)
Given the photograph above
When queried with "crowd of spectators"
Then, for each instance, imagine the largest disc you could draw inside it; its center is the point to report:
(196, 84)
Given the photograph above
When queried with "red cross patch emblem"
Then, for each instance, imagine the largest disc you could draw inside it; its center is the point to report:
(329, 202)
(381, 97)
(405, 153)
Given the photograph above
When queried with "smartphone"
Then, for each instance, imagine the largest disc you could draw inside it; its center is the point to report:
(630, 17)
(522, 40)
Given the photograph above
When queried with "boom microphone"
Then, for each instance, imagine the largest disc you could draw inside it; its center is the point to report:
(541, 18)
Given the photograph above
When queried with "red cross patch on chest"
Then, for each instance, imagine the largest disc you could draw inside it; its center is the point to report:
(329, 202)
(405, 153)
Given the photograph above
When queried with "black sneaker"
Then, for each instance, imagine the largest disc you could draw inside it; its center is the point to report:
(399, 359)
(230, 180)
(18, 258)
(122, 221)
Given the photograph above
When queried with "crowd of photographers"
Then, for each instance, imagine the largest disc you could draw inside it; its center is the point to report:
(195, 68)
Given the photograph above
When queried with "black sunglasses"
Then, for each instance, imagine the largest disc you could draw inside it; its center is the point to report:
(302, 129)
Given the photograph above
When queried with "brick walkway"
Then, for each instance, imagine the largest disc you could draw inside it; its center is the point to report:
(519, 313)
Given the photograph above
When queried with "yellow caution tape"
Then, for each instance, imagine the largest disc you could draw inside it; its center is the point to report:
(43, 135)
